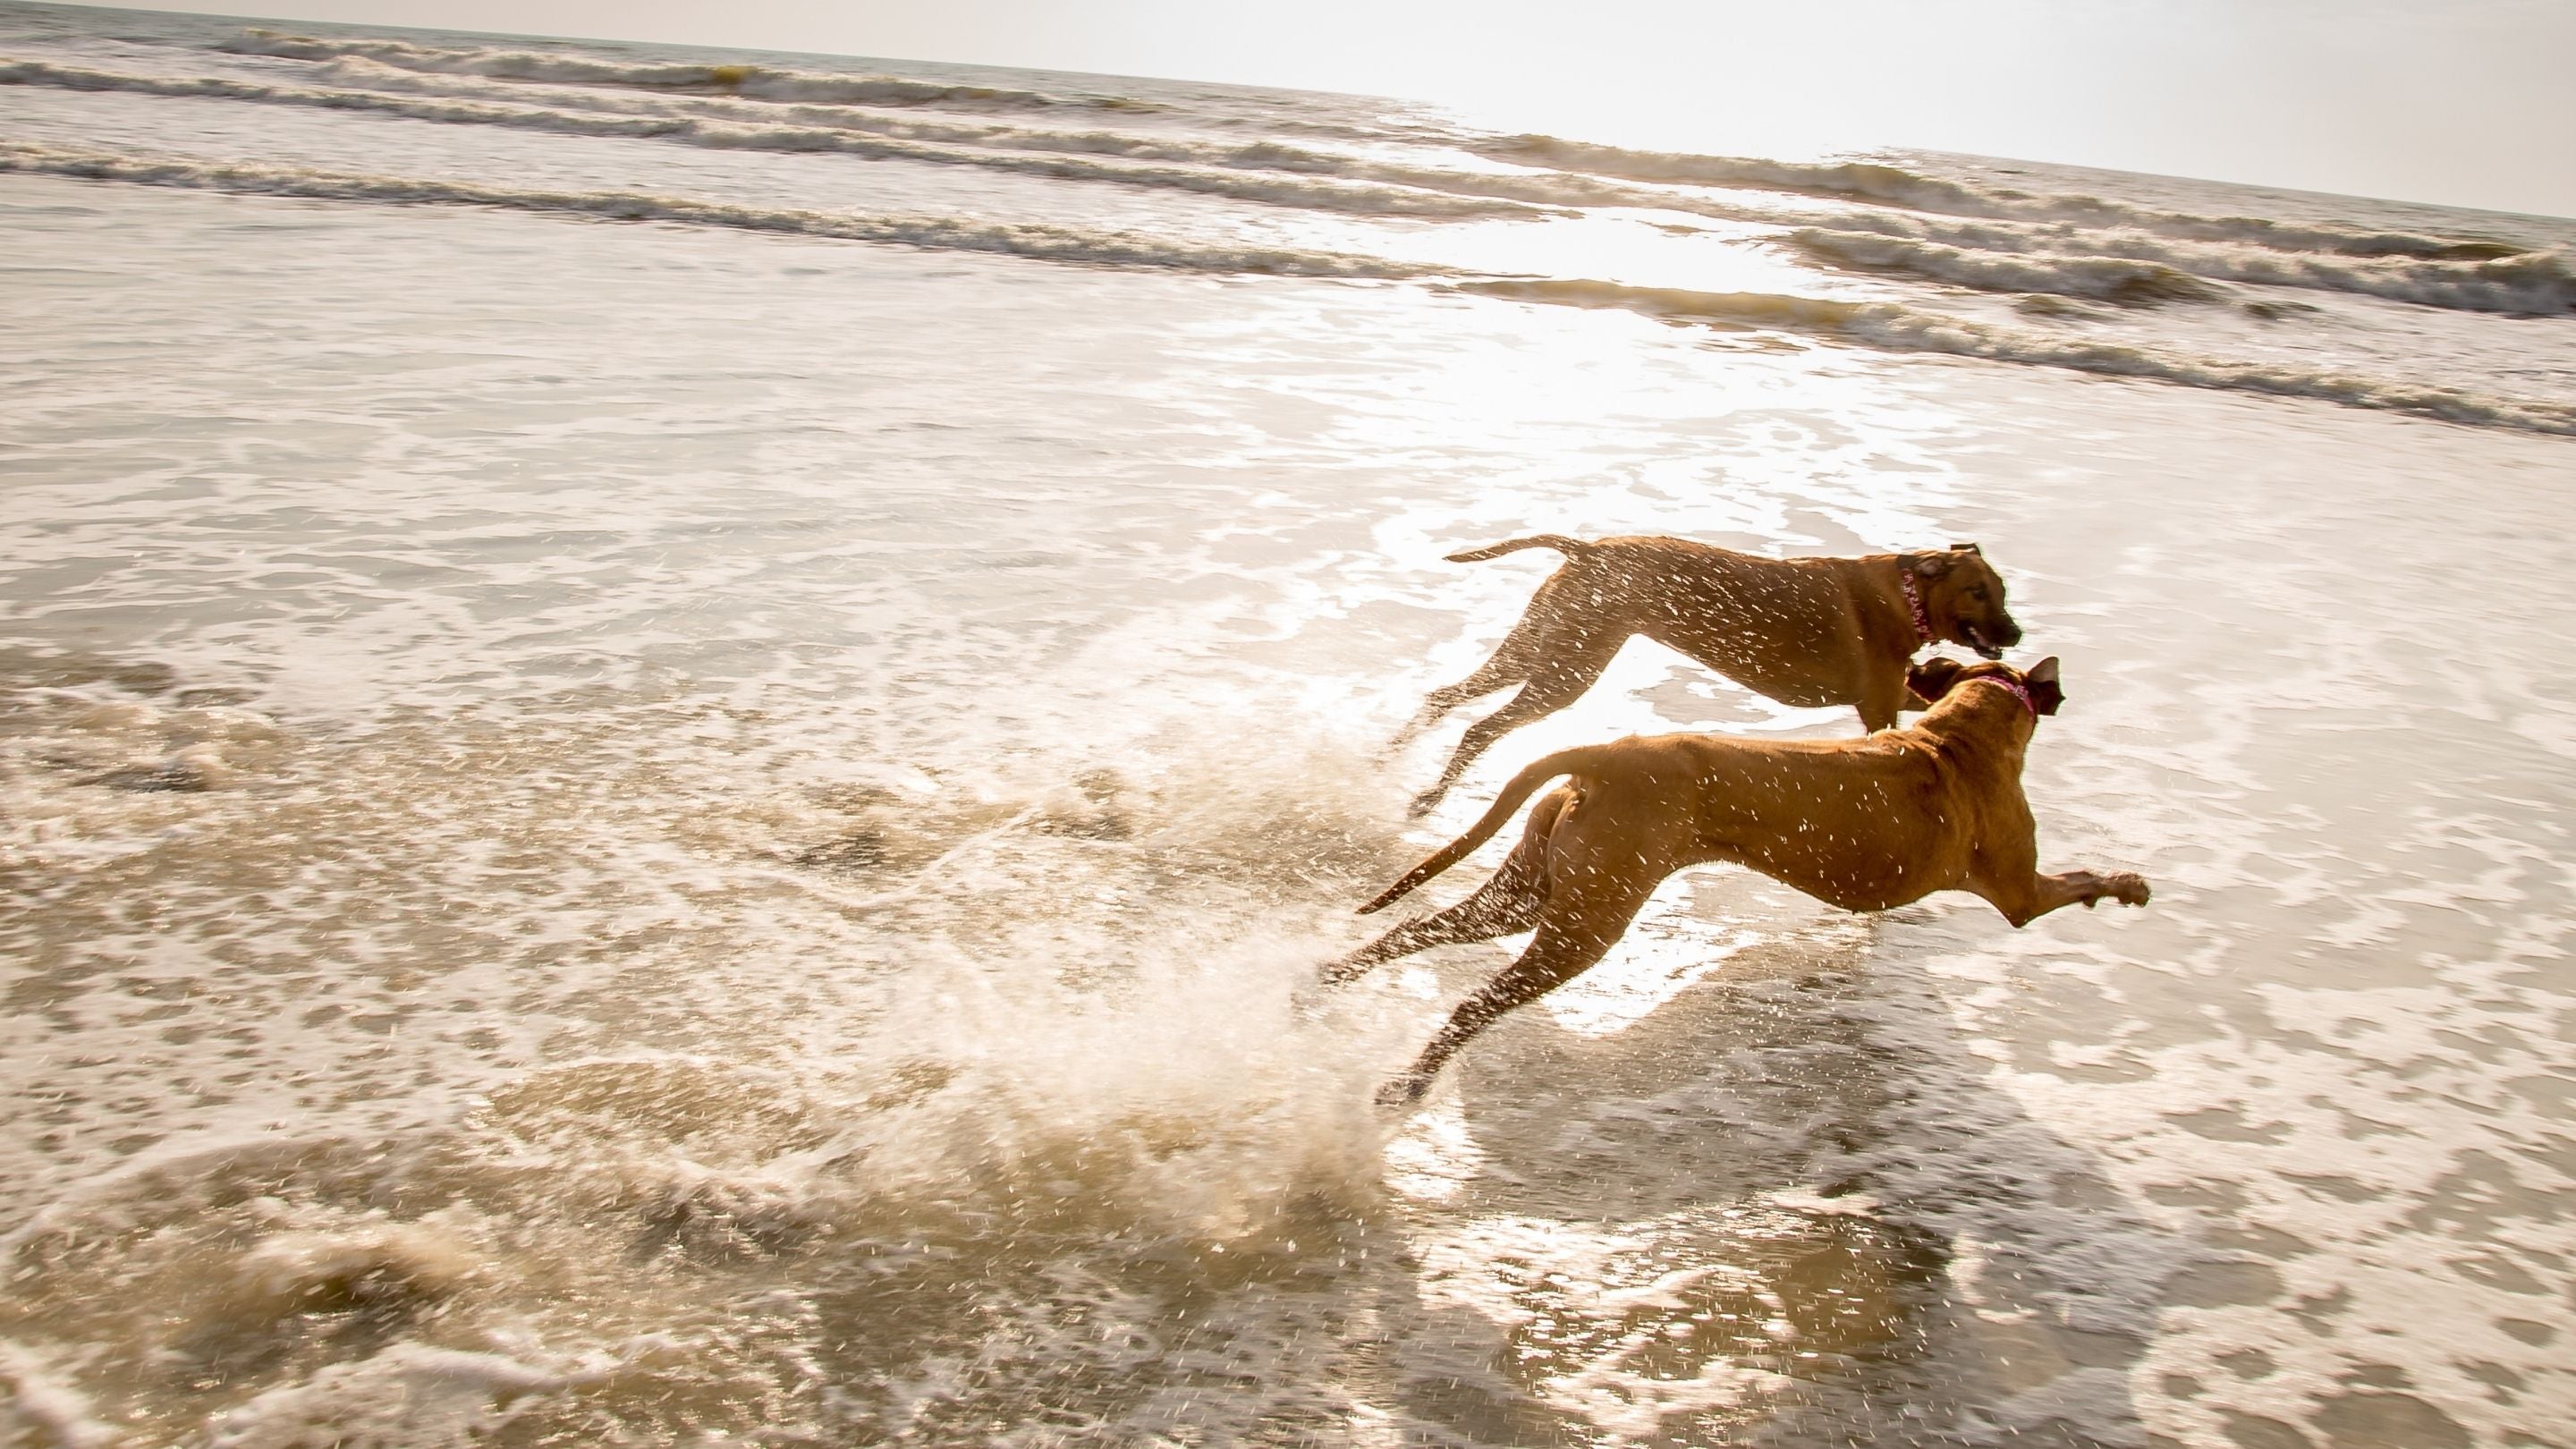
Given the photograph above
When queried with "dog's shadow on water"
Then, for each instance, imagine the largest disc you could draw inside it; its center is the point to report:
(1784, 1206)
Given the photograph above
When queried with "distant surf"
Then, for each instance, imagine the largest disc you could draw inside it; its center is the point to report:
(2530, 278)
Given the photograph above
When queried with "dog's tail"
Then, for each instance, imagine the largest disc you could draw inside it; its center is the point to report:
(1519, 788)
(1570, 547)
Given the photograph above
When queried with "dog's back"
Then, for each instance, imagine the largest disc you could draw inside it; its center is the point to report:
(1809, 632)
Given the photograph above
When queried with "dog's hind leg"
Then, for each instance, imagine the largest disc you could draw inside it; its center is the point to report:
(1508, 903)
(1575, 664)
(1573, 938)
(1490, 676)
(1556, 614)
(1521, 652)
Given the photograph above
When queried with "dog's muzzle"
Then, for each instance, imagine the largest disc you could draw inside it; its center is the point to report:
(1990, 648)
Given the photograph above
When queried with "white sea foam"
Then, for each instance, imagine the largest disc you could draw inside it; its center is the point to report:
(2109, 279)
(43, 1408)
(1891, 184)
(2112, 265)
(410, 1394)
(2107, 251)
(1047, 243)
(1543, 188)
(1885, 325)
(1282, 190)
(1854, 180)
(746, 80)
(1897, 327)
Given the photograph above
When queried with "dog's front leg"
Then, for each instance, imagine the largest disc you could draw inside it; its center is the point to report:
(2026, 900)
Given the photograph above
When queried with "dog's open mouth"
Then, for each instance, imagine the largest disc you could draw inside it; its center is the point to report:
(1976, 640)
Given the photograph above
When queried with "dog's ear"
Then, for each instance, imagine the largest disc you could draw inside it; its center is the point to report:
(2041, 680)
(1967, 548)
(1931, 565)
(1932, 678)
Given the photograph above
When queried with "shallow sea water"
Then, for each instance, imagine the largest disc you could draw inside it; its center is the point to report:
(669, 834)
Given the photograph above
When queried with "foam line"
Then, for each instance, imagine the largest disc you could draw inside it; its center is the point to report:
(1890, 185)
(1898, 328)
(1279, 190)
(934, 233)
(763, 82)
(2108, 265)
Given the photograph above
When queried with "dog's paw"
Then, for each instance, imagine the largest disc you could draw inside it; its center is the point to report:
(2126, 888)
(1403, 1093)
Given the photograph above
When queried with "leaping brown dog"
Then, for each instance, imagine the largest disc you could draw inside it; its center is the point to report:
(1865, 824)
(1805, 631)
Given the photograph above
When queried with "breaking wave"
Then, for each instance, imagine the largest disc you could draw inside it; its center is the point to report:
(1891, 185)
(1886, 325)
(2006, 240)
(1896, 328)
(2075, 263)
(2106, 279)
(1046, 243)
(364, 84)
(1840, 181)
(1543, 189)
(1316, 194)
(755, 81)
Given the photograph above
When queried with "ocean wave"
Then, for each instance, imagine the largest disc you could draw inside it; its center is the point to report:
(363, 73)
(1367, 186)
(756, 81)
(2529, 283)
(1893, 327)
(1550, 189)
(1841, 180)
(1554, 190)
(1371, 186)
(2129, 269)
(1885, 325)
(2119, 280)
(1121, 250)
(1888, 184)
(2136, 270)
(1565, 172)
(1279, 190)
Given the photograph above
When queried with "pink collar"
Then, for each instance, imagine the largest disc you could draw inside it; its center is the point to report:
(2019, 690)
(1914, 600)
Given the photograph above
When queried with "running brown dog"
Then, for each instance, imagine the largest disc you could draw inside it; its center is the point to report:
(1865, 824)
(1805, 631)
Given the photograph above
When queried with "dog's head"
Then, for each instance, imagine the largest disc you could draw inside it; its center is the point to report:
(1964, 598)
(1936, 677)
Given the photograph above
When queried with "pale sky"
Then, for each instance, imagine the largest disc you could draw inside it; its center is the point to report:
(2461, 102)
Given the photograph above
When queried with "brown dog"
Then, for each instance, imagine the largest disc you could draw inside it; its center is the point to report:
(1865, 824)
(1805, 631)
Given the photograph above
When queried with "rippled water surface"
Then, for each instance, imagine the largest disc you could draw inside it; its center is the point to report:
(703, 830)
